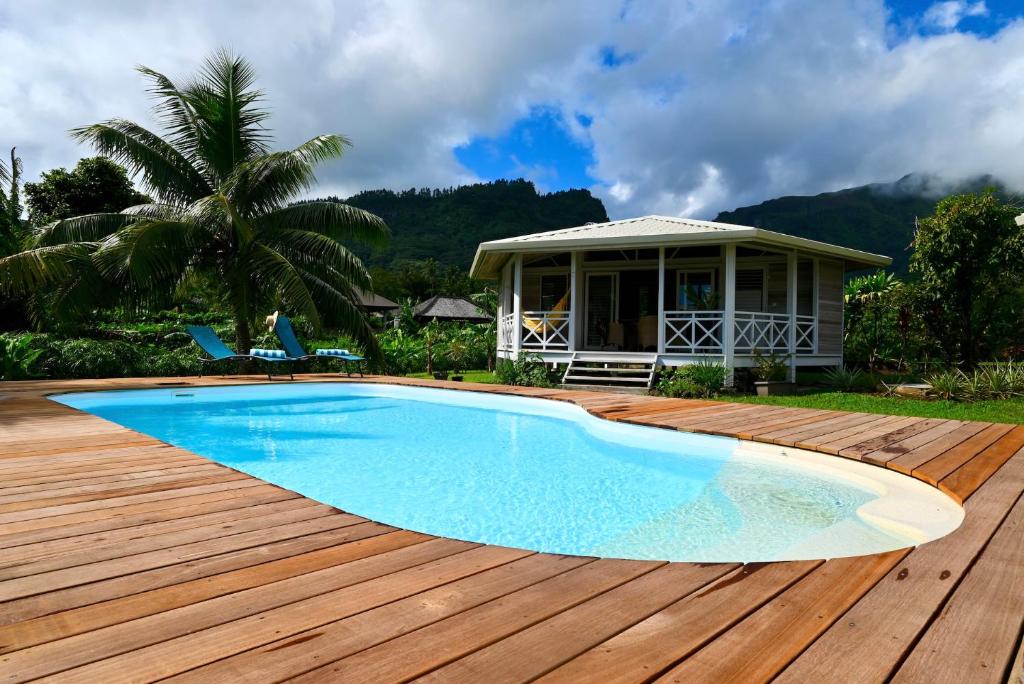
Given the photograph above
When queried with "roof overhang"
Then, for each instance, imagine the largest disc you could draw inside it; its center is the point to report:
(491, 256)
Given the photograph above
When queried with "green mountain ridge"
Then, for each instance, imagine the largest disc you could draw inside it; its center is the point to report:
(877, 218)
(447, 225)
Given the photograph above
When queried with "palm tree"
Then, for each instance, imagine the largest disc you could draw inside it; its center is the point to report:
(223, 211)
(10, 205)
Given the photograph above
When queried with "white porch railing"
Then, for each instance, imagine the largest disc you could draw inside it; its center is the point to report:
(700, 332)
(506, 331)
(806, 334)
(693, 332)
(545, 330)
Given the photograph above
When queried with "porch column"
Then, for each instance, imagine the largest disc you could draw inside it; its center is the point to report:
(517, 304)
(791, 309)
(661, 300)
(729, 312)
(574, 298)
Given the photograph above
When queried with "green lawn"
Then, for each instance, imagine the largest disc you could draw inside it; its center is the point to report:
(468, 376)
(995, 411)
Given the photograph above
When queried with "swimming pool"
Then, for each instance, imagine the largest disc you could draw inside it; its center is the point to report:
(538, 474)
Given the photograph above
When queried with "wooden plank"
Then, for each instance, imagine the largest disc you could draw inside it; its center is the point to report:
(883, 449)
(876, 633)
(974, 639)
(256, 617)
(761, 646)
(217, 526)
(419, 652)
(908, 462)
(71, 532)
(536, 650)
(660, 641)
(965, 480)
(82, 574)
(939, 467)
(128, 585)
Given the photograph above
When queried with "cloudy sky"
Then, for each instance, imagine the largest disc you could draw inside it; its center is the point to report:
(682, 108)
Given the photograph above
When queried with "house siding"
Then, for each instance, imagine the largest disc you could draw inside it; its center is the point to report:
(830, 307)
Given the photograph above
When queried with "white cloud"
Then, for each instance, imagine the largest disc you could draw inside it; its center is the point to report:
(720, 104)
(947, 15)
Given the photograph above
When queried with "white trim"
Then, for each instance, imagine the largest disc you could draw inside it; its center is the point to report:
(661, 300)
(791, 301)
(729, 318)
(517, 304)
(573, 297)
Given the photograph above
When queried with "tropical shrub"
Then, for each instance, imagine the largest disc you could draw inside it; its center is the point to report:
(701, 380)
(527, 370)
(990, 381)
(946, 384)
(847, 379)
(17, 357)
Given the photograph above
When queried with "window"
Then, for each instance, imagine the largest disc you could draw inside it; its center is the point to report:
(750, 289)
(696, 290)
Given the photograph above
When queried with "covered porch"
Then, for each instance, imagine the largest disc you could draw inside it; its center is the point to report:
(691, 291)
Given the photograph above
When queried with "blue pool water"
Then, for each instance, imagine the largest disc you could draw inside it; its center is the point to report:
(513, 471)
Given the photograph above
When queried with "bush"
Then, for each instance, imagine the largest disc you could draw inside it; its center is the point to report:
(702, 380)
(527, 370)
(849, 379)
(17, 357)
(769, 368)
(991, 381)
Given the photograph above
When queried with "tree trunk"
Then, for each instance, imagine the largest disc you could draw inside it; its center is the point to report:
(243, 333)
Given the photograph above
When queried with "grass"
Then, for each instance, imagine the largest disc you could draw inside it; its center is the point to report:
(994, 411)
(469, 376)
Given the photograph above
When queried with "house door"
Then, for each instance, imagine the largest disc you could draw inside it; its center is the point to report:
(603, 329)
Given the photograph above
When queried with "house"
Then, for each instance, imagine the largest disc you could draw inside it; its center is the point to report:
(605, 299)
(450, 309)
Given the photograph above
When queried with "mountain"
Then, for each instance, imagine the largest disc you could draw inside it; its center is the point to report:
(447, 225)
(875, 218)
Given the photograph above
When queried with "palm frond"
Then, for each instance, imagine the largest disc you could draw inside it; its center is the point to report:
(148, 255)
(266, 182)
(25, 272)
(176, 114)
(165, 171)
(341, 304)
(87, 228)
(336, 220)
(229, 120)
(314, 251)
(276, 274)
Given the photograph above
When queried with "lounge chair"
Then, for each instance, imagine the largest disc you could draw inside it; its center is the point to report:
(210, 342)
(286, 334)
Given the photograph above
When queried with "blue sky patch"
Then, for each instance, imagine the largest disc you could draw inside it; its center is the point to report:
(537, 147)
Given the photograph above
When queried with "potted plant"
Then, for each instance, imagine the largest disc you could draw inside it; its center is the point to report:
(770, 374)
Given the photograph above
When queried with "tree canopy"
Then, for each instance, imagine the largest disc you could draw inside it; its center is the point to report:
(970, 259)
(96, 185)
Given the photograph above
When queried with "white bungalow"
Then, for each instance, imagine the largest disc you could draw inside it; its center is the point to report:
(614, 301)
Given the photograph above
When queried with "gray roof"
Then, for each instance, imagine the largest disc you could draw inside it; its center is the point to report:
(372, 301)
(450, 309)
(655, 231)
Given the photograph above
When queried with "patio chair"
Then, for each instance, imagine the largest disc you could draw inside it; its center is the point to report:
(286, 334)
(210, 342)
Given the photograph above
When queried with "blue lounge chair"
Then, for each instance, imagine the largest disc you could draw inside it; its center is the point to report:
(286, 333)
(210, 342)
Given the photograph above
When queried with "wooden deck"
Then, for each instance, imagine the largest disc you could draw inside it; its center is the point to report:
(125, 559)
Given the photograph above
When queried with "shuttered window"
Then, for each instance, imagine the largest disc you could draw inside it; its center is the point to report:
(750, 289)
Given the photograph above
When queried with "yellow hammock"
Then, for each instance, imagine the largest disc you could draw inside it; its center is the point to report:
(540, 326)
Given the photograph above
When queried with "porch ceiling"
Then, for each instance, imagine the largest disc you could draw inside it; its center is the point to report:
(657, 231)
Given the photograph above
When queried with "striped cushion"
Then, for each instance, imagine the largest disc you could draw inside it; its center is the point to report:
(268, 353)
(332, 352)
